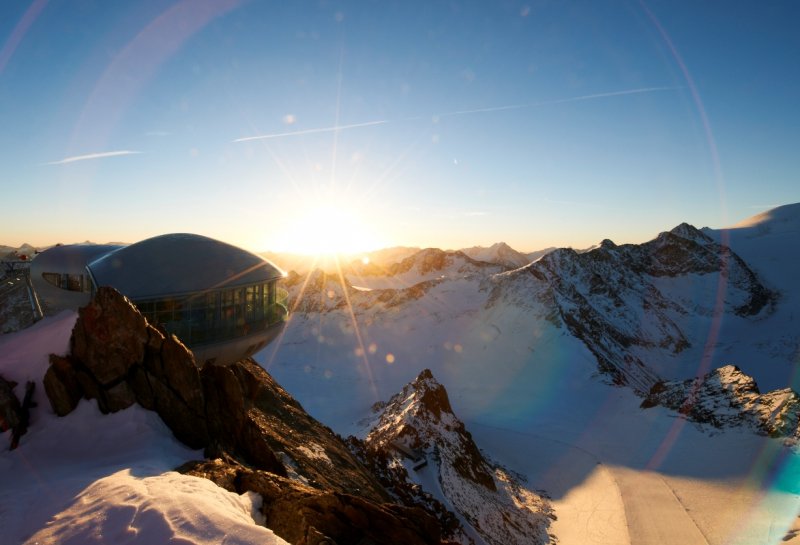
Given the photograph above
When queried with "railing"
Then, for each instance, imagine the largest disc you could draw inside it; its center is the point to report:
(36, 306)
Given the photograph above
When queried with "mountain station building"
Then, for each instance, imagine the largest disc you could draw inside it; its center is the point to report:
(221, 301)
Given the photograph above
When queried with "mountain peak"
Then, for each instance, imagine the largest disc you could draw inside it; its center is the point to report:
(432, 395)
(498, 253)
(607, 244)
(690, 232)
(417, 433)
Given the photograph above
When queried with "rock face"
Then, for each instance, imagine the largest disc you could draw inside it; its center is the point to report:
(314, 488)
(303, 515)
(416, 434)
(626, 301)
(726, 397)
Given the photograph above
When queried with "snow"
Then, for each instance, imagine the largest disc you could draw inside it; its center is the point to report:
(315, 451)
(127, 508)
(93, 478)
(767, 350)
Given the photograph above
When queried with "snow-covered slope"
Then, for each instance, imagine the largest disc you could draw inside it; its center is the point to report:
(91, 478)
(769, 243)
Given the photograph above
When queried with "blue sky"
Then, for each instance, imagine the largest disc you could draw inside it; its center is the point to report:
(444, 124)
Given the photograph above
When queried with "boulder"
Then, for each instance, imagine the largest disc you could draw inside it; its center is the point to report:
(9, 406)
(109, 336)
(61, 385)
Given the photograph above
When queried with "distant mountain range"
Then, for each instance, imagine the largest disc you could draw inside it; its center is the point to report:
(634, 306)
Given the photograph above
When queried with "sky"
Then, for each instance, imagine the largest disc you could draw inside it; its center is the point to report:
(306, 126)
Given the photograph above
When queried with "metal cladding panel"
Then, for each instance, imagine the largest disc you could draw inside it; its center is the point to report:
(179, 263)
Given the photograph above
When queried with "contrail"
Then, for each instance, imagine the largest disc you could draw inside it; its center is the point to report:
(559, 101)
(611, 94)
(462, 112)
(102, 155)
(312, 131)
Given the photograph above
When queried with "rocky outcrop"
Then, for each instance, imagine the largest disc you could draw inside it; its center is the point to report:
(119, 359)
(15, 416)
(303, 515)
(725, 398)
(315, 490)
(416, 432)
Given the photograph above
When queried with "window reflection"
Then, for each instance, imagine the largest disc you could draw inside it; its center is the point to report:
(217, 315)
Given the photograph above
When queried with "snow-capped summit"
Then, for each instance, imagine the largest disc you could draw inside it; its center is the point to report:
(432, 261)
(690, 232)
(499, 253)
(417, 428)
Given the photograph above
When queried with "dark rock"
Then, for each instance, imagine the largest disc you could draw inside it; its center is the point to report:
(139, 381)
(116, 398)
(109, 336)
(13, 414)
(304, 515)
(249, 413)
(9, 406)
(61, 385)
(179, 371)
(188, 426)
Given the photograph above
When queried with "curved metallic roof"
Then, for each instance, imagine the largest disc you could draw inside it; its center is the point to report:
(69, 258)
(179, 263)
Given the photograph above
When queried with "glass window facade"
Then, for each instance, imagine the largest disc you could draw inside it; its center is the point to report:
(217, 315)
(69, 282)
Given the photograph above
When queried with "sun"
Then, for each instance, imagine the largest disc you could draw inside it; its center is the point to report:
(328, 228)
